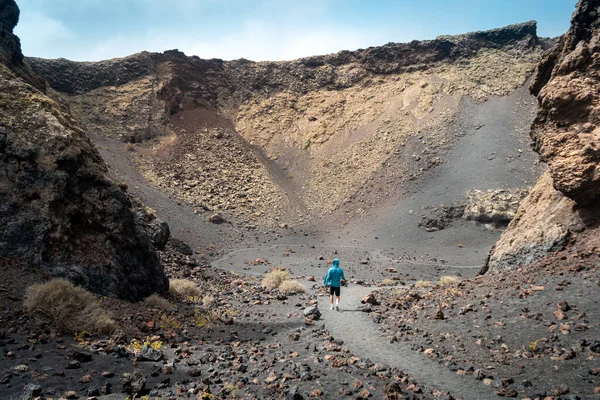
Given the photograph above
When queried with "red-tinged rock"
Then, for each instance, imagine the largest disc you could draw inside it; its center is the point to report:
(565, 329)
(353, 360)
(339, 363)
(357, 384)
(559, 315)
(560, 390)
(272, 377)
(370, 299)
(86, 378)
(316, 393)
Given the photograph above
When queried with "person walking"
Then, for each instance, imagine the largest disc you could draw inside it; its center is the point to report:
(334, 279)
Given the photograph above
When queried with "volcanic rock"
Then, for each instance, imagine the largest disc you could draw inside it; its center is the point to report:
(566, 135)
(312, 312)
(59, 210)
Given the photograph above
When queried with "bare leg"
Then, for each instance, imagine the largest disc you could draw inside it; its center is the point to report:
(337, 303)
(331, 301)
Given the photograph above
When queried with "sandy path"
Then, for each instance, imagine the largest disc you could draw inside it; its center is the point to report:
(364, 339)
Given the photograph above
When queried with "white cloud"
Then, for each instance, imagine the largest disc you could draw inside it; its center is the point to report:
(254, 41)
(41, 35)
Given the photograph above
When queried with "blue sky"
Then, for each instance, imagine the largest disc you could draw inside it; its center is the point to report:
(91, 30)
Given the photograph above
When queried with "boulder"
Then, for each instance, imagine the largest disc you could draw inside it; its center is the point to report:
(149, 354)
(180, 246)
(216, 219)
(312, 312)
(493, 206)
(370, 299)
(157, 230)
(133, 383)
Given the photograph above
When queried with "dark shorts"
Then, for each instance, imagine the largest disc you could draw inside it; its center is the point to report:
(334, 290)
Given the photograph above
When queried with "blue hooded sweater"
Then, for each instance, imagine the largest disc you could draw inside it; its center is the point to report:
(334, 275)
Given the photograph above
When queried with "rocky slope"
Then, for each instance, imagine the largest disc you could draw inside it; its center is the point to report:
(59, 210)
(308, 136)
(563, 207)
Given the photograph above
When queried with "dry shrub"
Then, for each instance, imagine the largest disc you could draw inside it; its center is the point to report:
(208, 300)
(274, 278)
(388, 282)
(422, 284)
(449, 281)
(183, 288)
(68, 308)
(289, 286)
(156, 301)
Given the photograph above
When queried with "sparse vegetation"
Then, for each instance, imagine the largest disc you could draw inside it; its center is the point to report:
(183, 288)
(156, 301)
(388, 282)
(136, 346)
(291, 286)
(422, 284)
(449, 281)
(68, 308)
(274, 278)
(534, 346)
(129, 147)
(208, 300)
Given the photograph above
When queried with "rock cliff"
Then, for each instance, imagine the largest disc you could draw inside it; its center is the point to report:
(308, 136)
(59, 211)
(563, 207)
(10, 46)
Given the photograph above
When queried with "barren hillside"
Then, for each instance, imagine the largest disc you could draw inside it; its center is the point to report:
(290, 142)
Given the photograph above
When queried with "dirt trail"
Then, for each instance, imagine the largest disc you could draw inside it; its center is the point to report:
(364, 339)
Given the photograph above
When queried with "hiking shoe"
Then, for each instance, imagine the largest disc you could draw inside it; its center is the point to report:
(337, 308)
(331, 307)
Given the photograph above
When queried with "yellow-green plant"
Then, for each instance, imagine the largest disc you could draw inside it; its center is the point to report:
(79, 337)
(169, 322)
(135, 346)
(534, 346)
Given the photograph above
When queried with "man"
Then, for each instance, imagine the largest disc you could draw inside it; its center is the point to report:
(335, 277)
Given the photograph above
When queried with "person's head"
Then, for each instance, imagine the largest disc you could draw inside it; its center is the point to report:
(335, 263)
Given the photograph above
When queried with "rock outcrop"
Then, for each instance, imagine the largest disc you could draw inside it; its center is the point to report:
(493, 206)
(566, 132)
(59, 211)
(10, 46)
(563, 207)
